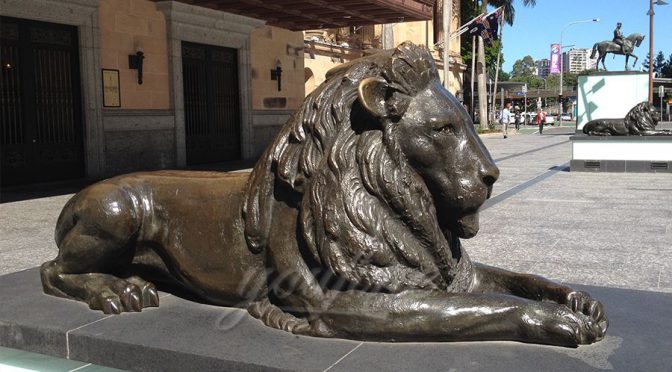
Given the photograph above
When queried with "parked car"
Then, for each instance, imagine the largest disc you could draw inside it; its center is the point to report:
(566, 117)
(530, 118)
(550, 119)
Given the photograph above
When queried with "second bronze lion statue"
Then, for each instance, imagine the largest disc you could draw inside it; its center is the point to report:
(641, 120)
(348, 226)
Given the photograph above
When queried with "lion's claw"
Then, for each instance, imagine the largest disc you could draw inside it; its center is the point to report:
(275, 317)
(115, 295)
(582, 303)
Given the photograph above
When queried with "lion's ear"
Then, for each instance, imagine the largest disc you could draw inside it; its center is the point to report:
(372, 94)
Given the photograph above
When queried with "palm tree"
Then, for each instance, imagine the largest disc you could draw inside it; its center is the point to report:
(509, 15)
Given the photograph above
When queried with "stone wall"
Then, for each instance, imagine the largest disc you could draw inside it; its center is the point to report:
(268, 46)
(138, 140)
(128, 26)
(266, 126)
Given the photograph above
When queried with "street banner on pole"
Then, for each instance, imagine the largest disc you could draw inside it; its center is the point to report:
(555, 59)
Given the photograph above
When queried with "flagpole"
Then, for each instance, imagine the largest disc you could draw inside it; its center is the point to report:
(464, 27)
(447, 15)
(499, 55)
(473, 71)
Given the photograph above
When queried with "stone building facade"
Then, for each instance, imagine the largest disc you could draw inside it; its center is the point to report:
(96, 88)
(327, 48)
(148, 127)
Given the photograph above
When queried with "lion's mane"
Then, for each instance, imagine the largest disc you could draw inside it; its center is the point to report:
(641, 118)
(365, 214)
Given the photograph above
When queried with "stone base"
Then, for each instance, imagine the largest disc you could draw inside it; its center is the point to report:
(182, 335)
(631, 154)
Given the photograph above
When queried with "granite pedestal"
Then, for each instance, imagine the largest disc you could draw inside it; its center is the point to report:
(181, 335)
(632, 154)
(609, 94)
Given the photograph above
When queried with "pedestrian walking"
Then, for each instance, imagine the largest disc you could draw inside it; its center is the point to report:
(541, 119)
(505, 118)
(517, 117)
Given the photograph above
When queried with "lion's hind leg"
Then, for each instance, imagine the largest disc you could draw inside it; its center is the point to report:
(89, 251)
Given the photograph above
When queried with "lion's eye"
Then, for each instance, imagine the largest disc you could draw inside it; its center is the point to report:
(445, 127)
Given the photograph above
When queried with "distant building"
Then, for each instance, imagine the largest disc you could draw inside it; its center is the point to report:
(543, 67)
(326, 48)
(577, 60)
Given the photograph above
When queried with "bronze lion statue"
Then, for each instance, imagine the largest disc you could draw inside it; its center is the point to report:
(349, 226)
(641, 120)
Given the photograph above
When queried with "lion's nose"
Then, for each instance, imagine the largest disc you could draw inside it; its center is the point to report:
(490, 173)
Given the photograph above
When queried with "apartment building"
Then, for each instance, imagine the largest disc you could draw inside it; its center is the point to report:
(542, 67)
(577, 60)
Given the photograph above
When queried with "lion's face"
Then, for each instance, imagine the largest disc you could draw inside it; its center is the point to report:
(438, 139)
(642, 117)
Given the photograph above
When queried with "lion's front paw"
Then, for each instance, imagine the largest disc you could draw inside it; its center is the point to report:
(558, 325)
(582, 303)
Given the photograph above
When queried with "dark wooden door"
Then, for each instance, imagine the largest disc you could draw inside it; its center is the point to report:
(40, 103)
(211, 103)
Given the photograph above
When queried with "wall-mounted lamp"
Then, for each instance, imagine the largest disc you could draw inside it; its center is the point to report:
(135, 63)
(276, 74)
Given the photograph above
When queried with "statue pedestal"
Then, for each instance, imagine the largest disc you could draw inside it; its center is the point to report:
(181, 335)
(609, 95)
(632, 154)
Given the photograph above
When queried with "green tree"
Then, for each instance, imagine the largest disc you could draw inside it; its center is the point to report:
(468, 11)
(666, 70)
(509, 16)
(504, 76)
(659, 62)
(646, 61)
(532, 81)
(523, 67)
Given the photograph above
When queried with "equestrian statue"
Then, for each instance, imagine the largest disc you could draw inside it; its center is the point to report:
(618, 45)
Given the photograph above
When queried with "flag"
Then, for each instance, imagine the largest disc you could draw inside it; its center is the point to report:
(487, 26)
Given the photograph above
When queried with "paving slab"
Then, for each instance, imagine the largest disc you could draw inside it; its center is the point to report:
(181, 335)
(601, 230)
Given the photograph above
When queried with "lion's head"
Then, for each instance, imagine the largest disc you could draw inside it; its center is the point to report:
(641, 118)
(386, 170)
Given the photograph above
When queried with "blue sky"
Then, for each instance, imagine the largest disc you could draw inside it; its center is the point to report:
(536, 28)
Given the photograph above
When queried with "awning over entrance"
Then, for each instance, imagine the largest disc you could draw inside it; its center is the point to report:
(299, 15)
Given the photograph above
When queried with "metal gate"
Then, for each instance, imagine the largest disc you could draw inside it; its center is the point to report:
(211, 103)
(40, 104)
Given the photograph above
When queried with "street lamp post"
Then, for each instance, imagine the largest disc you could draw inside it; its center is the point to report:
(562, 61)
(650, 13)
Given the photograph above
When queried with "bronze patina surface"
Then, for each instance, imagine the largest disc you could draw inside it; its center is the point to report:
(348, 226)
(641, 120)
(624, 46)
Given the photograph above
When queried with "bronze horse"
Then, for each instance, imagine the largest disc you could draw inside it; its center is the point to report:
(607, 46)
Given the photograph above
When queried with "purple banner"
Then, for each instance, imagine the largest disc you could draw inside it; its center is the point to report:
(555, 59)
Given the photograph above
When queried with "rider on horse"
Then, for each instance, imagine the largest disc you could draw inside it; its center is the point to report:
(626, 46)
(618, 45)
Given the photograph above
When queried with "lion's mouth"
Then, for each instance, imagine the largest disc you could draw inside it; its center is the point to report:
(467, 226)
